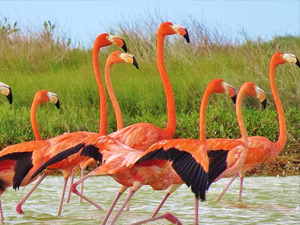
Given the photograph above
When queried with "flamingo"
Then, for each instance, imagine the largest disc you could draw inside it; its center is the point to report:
(57, 144)
(261, 149)
(197, 152)
(65, 166)
(5, 90)
(142, 135)
(10, 156)
(115, 57)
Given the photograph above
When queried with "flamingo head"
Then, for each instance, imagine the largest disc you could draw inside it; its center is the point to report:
(260, 94)
(228, 89)
(43, 96)
(105, 39)
(251, 89)
(281, 58)
(5, 90)
(167, 28)
(54, 99)
(119, 57)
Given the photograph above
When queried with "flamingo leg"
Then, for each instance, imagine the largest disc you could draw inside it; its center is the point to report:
(1, 212)
(19, 205)
(74, 190)
(81, 184)
(71, 182)
(136, 186)
(226, 188)
(196, 210)
(168, 216)
(241, 188)
(121, 191)
(128, 204)
(171, 189)
(62, 197)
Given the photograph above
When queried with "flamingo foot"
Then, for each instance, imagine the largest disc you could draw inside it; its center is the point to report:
(168, 216)
(19, 209)
(171, 218)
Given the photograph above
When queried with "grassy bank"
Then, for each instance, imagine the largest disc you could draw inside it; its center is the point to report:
(41, 59)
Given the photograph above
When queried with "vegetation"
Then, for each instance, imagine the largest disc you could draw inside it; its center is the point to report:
(40, 59)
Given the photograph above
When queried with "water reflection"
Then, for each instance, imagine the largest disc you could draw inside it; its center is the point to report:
(266, 200)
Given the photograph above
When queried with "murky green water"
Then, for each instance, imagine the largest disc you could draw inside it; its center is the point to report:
(266, 200)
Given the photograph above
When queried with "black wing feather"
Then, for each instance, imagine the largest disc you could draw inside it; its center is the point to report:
(217, 164)
(93, 152)
(22, 167)
(185, 166)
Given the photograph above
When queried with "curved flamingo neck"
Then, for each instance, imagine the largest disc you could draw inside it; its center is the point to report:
(202, 114)
(112, 96)
(101, 91)
(282, 137)
(171, 111)
(239, 116)
(34, 124)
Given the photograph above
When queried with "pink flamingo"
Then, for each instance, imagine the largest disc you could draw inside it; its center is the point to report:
(261, 149)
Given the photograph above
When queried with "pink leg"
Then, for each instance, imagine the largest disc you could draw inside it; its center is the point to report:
(74, 190)
(71, 182)
(171, 189)
(128, 204)
(134, 189)
(226, 188)
(19, 205)
(62, 197)
(1, 213)
(81, 185)
(241, 188)
(196, 210)
(168, 216)
(160, 205)
(121, 191)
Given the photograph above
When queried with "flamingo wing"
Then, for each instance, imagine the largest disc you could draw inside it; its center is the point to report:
(187, 157)
(22, 164)
(58, 158)
(22, 157)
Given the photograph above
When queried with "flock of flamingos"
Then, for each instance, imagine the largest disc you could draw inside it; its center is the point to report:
(142, 153)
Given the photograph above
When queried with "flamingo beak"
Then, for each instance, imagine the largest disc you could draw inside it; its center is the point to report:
(135, 63)
(57, 104)
(186, 36)
(264, 103)
(9, 97)
(297, 62)
(124, 46)
(234, 99)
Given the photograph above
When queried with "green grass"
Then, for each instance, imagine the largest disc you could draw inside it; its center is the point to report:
(39, 60)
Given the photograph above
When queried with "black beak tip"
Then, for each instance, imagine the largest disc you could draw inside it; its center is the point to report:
(233, 98)
(264, 104)
(135, 63)
(186, 36)
(124, 47)
(10, 97)
(298, 63)
(57, 104)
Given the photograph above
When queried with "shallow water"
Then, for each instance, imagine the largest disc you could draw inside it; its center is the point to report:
(266, 200)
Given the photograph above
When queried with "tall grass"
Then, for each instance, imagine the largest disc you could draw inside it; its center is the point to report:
(41, 59)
